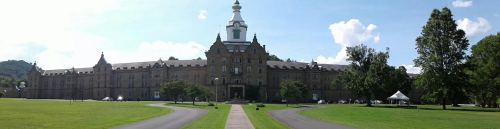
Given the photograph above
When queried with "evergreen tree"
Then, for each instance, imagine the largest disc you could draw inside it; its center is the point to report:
(441, 48)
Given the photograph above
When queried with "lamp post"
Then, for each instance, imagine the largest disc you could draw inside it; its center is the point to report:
(216, 90)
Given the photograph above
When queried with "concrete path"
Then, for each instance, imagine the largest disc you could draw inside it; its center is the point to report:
(175, 120)
(237, 118)
(296, 121)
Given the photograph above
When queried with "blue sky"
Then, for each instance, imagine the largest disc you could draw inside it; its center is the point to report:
(64, 34)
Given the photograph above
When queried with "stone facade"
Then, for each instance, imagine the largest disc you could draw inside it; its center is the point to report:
(236, 68)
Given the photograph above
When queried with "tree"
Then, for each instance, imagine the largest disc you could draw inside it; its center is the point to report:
(193, 91)
(305, 92)
(206, 93)
(484, 70)
(273, 58)
(394, 79)
(173, 89)
(441, 48)
(172, 58)
(289, 90)
(365, 74)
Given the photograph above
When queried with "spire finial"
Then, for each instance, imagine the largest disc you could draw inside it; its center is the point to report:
(255, 38)
(218, 38)
(236, 6)
(102, 60)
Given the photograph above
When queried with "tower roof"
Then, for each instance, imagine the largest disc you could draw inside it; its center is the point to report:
(102, 60)
(236, 15)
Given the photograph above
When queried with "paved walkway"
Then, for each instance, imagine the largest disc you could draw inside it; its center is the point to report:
(176, 119)
(296, 121)
(237, 118)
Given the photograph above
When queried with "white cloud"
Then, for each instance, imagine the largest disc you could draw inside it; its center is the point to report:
(461, 3)
(50, 30)
(473, 28)
(202, 15)
(346, 34)
(376, 39)
(325, 60)
(412, 69)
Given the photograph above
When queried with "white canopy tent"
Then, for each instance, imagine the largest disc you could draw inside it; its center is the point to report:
(399, 97)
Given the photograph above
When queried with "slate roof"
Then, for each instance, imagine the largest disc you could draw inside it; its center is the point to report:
(62, 71)
(192, 63)
(301, 65)
(169, 63)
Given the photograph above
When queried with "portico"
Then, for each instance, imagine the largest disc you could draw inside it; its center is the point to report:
(236, 92)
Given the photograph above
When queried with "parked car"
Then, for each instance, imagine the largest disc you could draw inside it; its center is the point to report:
(107, 99)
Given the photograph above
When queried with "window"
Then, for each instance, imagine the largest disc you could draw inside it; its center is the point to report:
(223, 68)
(249, 60)
(249, 69)
(157, 94)
(237, 60)
(236, 70)
(260, 70)
(236, 34)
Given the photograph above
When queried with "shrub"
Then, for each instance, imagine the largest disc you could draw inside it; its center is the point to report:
(1, 94)
(261, 105)
(211, 104)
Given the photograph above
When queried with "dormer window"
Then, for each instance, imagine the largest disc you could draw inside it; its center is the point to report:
(236, 33)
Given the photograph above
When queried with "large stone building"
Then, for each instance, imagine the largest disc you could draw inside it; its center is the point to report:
(236, 68)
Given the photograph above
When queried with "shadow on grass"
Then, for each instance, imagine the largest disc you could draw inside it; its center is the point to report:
(471, 109)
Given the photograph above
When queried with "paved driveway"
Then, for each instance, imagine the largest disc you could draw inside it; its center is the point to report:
(176, 119)
(292, 119)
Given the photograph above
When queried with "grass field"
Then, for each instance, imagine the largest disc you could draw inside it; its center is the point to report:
(425, 117)
(214, 119)
(61, 114)
(261, 118)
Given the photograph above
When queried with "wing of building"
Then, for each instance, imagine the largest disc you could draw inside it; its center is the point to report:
(235, 67)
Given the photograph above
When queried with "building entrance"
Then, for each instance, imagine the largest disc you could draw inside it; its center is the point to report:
(236, 92)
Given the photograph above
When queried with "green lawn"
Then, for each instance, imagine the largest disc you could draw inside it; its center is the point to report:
(425, 117)
(61, 114)
(214, 119)
(261, 118)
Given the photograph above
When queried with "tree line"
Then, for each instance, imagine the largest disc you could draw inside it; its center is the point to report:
(176, 90)
(448, 76)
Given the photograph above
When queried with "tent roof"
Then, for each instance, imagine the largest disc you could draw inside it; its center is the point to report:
(398, 96)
